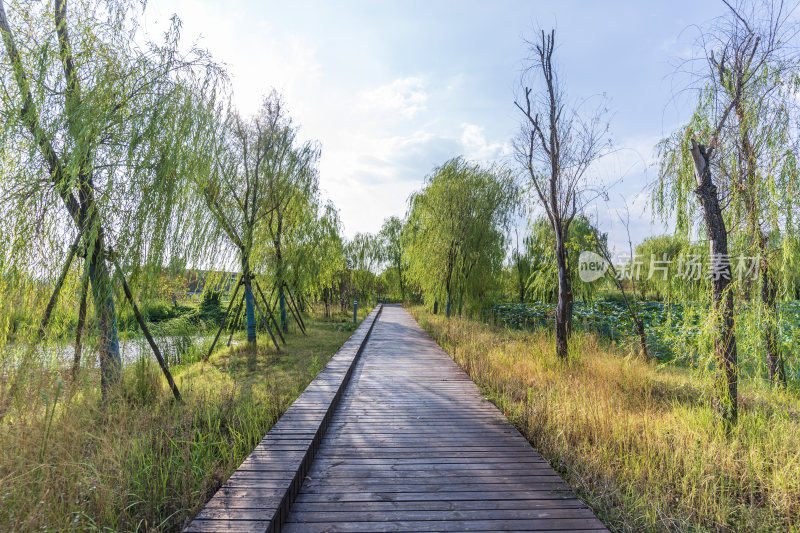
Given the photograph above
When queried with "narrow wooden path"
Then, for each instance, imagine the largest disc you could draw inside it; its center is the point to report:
(414, 446)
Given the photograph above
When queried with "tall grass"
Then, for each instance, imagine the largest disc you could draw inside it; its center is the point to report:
(146, 463)
(638, 441)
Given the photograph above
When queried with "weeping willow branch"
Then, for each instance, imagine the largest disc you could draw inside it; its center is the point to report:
(76, 359)
(57, 289)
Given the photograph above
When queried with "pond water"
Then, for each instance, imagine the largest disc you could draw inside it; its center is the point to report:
(174, 348)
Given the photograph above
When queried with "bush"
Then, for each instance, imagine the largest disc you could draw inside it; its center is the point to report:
(209, 310)
(152, 312)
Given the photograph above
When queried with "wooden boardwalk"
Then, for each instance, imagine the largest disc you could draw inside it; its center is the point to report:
(414, 446)
(396, 439)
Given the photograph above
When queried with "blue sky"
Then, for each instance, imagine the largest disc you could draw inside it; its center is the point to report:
(392, 89)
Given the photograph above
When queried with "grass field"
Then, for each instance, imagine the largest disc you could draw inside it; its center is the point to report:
(147, 462)
(674, 330)
(638, 441)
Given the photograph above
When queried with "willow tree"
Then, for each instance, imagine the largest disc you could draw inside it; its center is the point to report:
(456, 230)
(761, 169)
(243, 156)
(540, 248)
(741, 171)
(94, 146)
(364, 256)
(319, 256)
(392, 238)
(520, 268)
(556, 147)
(292, 185)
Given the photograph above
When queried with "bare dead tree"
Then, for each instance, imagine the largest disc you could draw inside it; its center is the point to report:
(630, 303)
(556, 146)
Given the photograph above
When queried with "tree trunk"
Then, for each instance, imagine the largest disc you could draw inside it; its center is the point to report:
(249, 308)
(638, 322)
(725, 334)
(769, 292)
(103, 298)
(565, 300)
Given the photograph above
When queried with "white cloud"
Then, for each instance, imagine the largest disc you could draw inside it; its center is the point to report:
(477, 147)
(403, 96)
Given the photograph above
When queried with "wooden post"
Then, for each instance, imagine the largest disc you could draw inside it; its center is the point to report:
(236, 320)
(264, 318)
(153, 346)
(295, 301)
(271, 315)
(60, 283)
(355, 311)
(216, 337)
(295, 312)
(76, 356)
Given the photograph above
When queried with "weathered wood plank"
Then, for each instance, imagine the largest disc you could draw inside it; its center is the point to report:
(397, 516)
(411, 446)
(435, 505)
(414, 446)
(258, 495)
(419, 526)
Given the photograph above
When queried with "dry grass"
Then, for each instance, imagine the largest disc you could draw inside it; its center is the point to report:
(638, 441)
(148, 463)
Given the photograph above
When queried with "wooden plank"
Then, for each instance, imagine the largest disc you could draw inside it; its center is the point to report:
(326, 486)
(265, 484)
(414, 446)
(364, 496)
(233, 526)
(437, 505)
(398, 516)
(425, 476)
(419, 526)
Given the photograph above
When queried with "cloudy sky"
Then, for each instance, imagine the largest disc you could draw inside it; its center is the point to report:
(392, 89)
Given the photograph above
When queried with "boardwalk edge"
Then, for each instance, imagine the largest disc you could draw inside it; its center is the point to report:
(260, 493)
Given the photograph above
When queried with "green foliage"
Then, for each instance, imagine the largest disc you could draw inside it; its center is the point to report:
(455, 235)
(391, 235)
(210, 308)
(319, 258)
(364, 255)
(286, 249)
(153, 311)
(672, 268)
(675, 331)
(540, 253)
